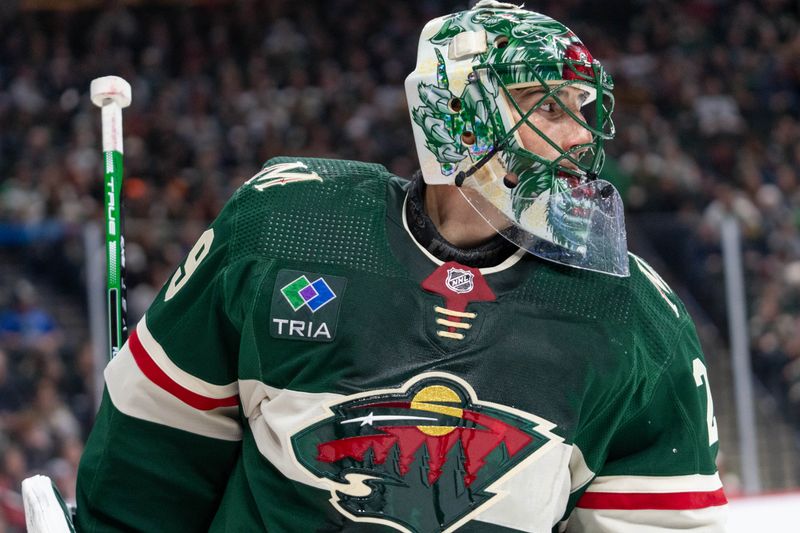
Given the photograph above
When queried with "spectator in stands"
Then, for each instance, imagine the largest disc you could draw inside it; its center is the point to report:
(12, 393)
(13, 469)
(24, 324)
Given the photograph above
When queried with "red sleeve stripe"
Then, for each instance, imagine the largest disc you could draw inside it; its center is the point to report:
(154, 373)
(674, 501)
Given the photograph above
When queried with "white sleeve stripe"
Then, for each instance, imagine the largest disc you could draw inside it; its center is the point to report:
(135, 395)
(183, 378)
(656, 484)
(707, 520)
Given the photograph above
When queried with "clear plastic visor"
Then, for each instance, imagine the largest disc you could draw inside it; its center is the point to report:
(580, 226)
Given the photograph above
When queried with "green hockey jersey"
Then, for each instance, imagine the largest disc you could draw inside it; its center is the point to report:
(311, 368)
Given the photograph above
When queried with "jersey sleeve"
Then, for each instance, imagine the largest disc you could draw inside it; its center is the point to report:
(168, 431)
(660, 473)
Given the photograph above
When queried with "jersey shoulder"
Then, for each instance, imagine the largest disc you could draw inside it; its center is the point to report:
(284, 179)
(313, 210)
(283, 170)
(660, 320)
(654, 298)
(640, 310)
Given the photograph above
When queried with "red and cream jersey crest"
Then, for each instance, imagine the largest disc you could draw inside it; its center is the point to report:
(428, 456)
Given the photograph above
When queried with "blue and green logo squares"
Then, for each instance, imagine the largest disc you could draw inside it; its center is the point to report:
(313, 295)
(299, 308)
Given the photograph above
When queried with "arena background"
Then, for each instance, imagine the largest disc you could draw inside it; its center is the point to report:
(708, 115)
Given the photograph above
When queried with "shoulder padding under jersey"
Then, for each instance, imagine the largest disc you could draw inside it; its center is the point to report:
(663, 332)
(316, 211)
(282, 171)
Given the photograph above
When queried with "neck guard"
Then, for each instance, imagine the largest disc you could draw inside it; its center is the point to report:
(490, 253)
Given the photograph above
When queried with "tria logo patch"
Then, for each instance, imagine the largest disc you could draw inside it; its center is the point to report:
(302, 292)
(459, 280)
(303, 309)
(425, 457)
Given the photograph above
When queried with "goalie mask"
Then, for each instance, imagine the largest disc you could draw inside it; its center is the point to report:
(489, 80)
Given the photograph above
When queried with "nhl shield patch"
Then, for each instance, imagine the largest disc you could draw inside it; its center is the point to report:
(459, 286)
(426, 457)
(305, 305)
(459, 280)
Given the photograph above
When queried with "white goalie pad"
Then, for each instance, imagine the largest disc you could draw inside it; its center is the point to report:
(45, 511)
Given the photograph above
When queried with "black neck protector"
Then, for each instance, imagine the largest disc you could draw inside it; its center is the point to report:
(491, 253)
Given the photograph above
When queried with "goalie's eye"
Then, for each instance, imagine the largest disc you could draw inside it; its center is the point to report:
(528, 98)
(550, 108)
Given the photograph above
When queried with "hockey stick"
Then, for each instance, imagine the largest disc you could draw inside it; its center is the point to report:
(112, 94)
(45, 510)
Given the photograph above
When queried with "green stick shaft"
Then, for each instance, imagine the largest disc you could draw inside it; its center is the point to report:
(115, 253)
(111, 94)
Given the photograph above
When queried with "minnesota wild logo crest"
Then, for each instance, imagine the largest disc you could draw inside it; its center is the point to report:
(426, 457)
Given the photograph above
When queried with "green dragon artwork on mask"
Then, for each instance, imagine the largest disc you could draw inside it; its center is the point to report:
(523, 49)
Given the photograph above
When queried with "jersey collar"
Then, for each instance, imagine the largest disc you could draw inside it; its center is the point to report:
(492, 254)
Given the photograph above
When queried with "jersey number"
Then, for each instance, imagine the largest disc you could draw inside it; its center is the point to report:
(700, 379)
(184, 272)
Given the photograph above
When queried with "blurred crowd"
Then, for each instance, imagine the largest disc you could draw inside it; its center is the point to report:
(707, 109)
(46, 408)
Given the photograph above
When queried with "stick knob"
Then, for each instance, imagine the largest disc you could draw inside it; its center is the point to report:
(110, 89)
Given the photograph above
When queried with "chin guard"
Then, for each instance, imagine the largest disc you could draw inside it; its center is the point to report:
(580, 226)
